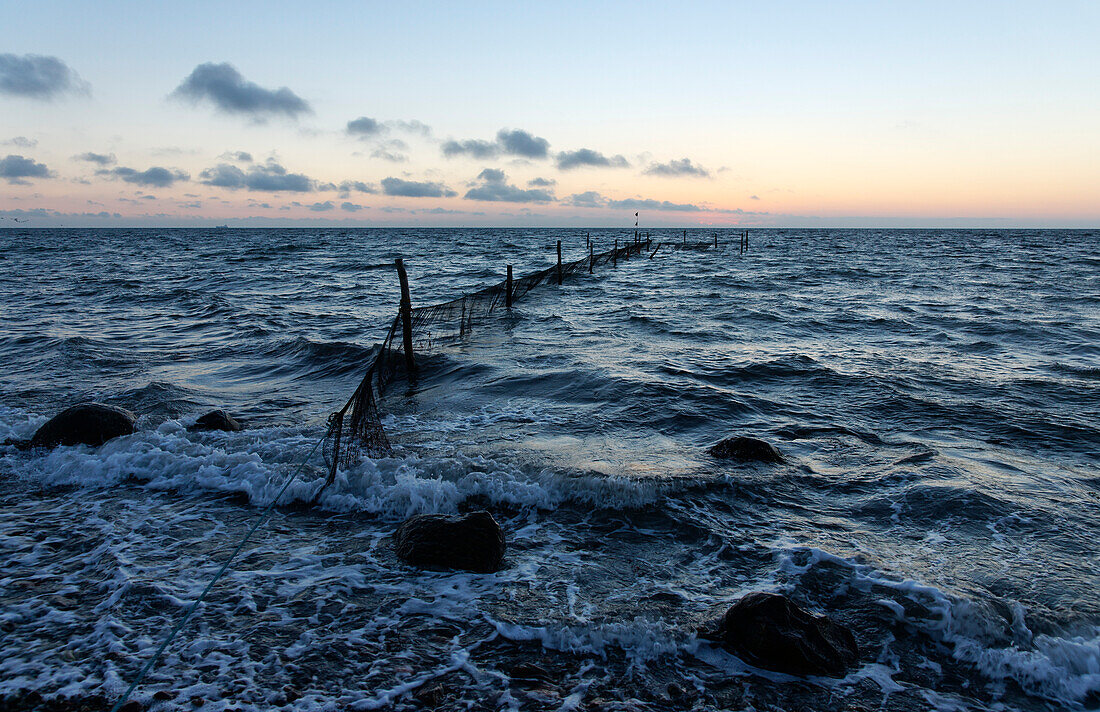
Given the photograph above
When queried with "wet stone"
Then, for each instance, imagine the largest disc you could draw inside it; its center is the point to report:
(85, 424)
(746, 450)
(471, 542)
(217, 420)
(771, 632)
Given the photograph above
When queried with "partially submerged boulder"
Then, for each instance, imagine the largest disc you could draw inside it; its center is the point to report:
(217, 420)
(470, 542)
(771, 632)
(746, 450)
(85, 424)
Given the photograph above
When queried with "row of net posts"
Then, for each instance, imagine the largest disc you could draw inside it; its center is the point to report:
(361, 429)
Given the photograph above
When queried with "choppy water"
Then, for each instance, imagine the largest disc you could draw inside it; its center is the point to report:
(937, 393)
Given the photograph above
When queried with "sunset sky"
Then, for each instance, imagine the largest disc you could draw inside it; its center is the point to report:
(565, 113)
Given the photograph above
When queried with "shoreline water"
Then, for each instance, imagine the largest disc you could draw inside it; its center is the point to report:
(936, 499)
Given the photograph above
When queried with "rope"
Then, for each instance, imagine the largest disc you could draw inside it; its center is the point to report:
(191, 609)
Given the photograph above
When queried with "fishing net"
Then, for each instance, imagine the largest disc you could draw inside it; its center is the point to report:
(356, 429)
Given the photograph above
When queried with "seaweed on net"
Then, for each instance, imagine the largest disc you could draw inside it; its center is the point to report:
(356, 429)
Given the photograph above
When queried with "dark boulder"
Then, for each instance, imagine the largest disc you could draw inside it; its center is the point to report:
(217, 420)
(85, 424)
(770, 632)
(746, 450)
(471, 542)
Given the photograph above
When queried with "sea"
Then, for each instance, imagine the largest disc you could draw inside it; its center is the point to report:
(935, 393)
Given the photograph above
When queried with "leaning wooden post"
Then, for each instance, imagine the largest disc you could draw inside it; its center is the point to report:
(615, 253)
(591, 259)
(559, 262)
(716, 241)
(406, 317)
(508, 289)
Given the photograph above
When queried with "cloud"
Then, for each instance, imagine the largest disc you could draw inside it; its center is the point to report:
(587, 157)
(364, 127)
(474, 148)
(357, 186)
(224, 87)
(587, 199)
(102, 159)
(16, 168)
(37, 77)
(322, 207)
(541, 183)
(592, 199)
(516, 142)
(388, 151)
(239, 156)
(412, 189)
(682, 167)
(21, 142)
(156, 176)
(351, 207)
(270, 177)
(495, 188)
(650, 204)
(754, 197)
(411, 126)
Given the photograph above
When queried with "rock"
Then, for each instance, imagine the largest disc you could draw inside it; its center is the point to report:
(472, 542)
(769, 631)
(746, 450)
(431, 696)
(217, 420)
(85, 424)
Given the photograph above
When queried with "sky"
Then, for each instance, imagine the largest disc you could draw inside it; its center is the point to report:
(874, 114)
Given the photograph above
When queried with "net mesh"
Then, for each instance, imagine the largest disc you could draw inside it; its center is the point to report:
(356, 429)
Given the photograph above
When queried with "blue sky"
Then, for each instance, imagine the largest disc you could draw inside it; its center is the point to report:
(721, 113)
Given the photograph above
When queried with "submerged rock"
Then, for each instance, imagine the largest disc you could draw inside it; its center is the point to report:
(217, 420)
(746, 450)
(85, 424)
(771, 632)
(471, 542)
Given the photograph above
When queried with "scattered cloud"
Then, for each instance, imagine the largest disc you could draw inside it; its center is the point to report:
(390, 151)
(100, 159)
(541, 183)
(156, 176)
(238, 156)
(356, 186)
(322, 207)
(20, 142)
(516, 142)
(587, 199)
(474, 148)
(364, 127)
(493, 186)
(224, 87)
(37, 77)
(413, 189)
(16, 168)
(270, 177)
(650, 204)
(411, 126)
(754, 197)
(350, 207)
(587, 157)
(673, 169)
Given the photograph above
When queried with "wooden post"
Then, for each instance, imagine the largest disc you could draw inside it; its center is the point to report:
(591, 259)
(716, 241)
(508, 290)
(559, 262)
(406, 317)
(685, 237)
(746, 240)
(615, 253)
